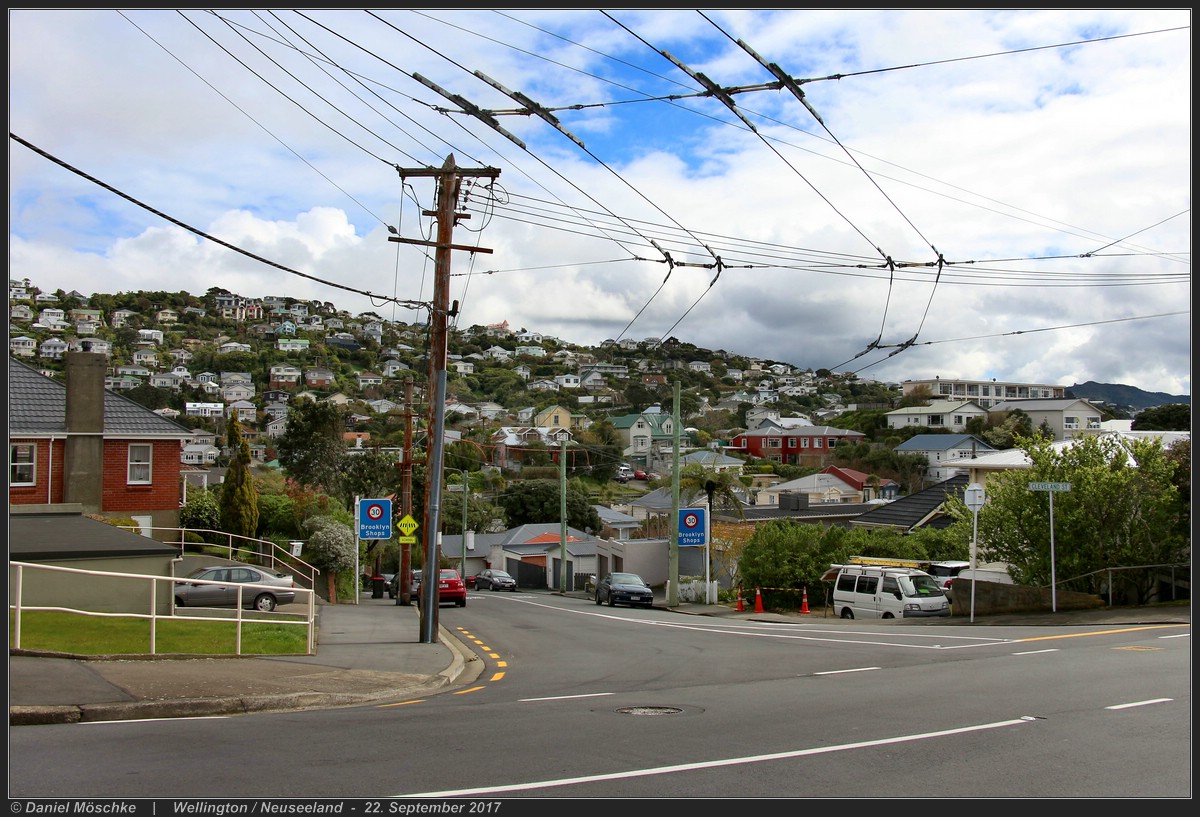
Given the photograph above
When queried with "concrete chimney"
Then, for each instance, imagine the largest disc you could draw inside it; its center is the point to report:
(85, 430)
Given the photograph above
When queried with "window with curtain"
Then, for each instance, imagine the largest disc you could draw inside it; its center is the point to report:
(139, 464)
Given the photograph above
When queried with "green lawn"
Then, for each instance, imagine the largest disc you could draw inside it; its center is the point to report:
(79, 634)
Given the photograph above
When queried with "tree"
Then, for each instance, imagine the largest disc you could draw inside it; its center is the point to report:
(1171, 417)
(718, 486)
(538, 501)
(311, 450)
(1124, 509)
(239, 499)
(202, 511)
(332, 548)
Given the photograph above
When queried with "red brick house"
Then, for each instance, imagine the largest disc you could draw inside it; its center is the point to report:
(80, 444)
(798, 445)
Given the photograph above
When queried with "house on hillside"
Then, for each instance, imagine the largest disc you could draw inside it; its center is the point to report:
(78, 443)
(940, 415)
(939, 449)
(649, 435)
(800, 445)
(1066, 418)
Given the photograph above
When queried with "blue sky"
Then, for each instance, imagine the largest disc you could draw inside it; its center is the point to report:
(1034, 195)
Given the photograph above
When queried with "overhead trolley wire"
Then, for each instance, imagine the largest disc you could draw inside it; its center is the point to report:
(204, 235)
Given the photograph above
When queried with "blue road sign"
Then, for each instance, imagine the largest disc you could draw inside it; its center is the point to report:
(375, 519)
(691, 527)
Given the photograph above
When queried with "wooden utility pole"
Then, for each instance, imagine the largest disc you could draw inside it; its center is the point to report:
(449, 180)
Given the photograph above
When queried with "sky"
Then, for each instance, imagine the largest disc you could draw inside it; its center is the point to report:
(901, 194)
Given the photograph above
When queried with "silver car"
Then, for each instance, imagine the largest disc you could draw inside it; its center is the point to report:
(495, 580)
(189, 593)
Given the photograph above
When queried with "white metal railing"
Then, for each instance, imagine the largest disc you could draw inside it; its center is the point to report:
(17, 605)
(248, 550)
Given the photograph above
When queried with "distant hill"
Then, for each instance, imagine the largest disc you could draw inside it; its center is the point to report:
(1129, 397)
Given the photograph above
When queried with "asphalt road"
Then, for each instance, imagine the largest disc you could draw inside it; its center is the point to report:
(578, 701)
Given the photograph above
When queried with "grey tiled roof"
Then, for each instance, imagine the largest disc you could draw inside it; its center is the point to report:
(50, 536)
(38, 405)
(916, 509)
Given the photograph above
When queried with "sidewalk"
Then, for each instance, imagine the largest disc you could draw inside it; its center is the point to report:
(365, 652)
(370, 651)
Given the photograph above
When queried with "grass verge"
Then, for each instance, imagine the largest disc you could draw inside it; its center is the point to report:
(80, 634)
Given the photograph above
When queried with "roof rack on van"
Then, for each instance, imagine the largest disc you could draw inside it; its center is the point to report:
(879, 561)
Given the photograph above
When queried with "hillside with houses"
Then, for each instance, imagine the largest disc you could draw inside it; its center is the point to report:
(201, 359)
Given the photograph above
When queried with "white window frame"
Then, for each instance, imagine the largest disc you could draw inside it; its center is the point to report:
(135, 467)
(14, 463)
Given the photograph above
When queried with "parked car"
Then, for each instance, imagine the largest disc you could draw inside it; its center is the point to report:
(624, 588)
(640, 474)
(944, 573)
(280, 589)
(393, 584)
(451, 588)
(495, 580)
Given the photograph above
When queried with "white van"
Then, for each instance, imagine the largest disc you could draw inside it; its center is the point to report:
(877, 591)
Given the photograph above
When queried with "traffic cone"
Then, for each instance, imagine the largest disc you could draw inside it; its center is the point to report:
(804, 603)
(741, 607)
(758, 600)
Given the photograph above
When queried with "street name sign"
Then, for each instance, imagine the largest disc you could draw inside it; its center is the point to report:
(1050, 486)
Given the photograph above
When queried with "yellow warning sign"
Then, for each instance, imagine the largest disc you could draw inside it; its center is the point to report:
(407, 525)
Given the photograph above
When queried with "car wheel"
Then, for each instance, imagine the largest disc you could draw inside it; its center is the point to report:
(847, 613)
(612, 601)
(462, 602)
(493, 588)
(179, 602)
(598, 602)
(265, 603)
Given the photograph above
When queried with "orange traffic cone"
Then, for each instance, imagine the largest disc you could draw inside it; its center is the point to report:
(741, 608)
(804, 603)
(758, 600)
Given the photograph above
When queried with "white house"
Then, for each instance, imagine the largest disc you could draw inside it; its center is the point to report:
(941, 415)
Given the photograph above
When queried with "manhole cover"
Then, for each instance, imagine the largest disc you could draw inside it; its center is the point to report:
(650, 710)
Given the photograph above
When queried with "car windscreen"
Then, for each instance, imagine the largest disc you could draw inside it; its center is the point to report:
(922, 585)
(627, 578)
(500, 574)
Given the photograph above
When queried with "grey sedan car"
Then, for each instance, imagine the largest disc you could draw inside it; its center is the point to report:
(278, 590)
(495, 580)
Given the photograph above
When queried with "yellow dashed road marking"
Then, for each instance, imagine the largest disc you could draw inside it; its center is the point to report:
(1103, 632)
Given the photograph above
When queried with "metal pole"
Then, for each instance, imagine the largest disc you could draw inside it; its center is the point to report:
(465, 494)
(673, 544)
(1053, 581)
(974, 545)
(357, 569)
(562, 511)
(708, 599)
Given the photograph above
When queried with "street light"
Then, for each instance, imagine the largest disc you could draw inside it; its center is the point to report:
(466, 488)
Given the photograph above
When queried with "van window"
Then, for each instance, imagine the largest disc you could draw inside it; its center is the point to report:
(867, 584)
(890, 585)
(921, 585)
(846, 583)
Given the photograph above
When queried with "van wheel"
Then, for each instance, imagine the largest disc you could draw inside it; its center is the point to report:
(888, 615)
(847, 612)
